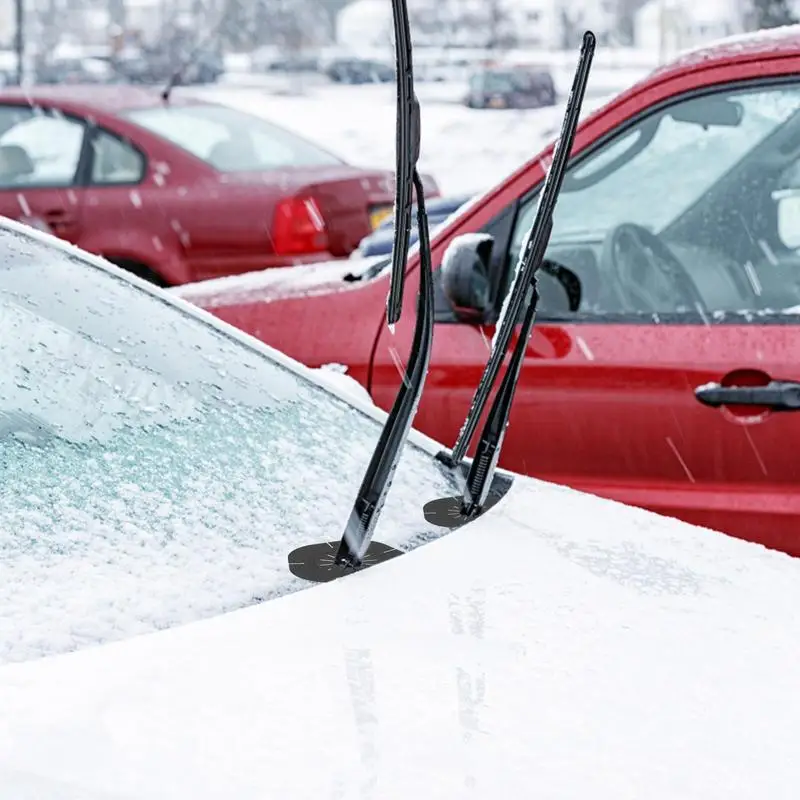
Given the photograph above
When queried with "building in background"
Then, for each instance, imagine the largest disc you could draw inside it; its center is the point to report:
(669, 26)
(497, 24)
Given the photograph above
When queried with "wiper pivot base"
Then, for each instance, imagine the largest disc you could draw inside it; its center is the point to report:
(317, 562)
(448, 512)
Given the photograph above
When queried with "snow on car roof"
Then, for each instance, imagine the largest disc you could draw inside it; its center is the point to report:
(561, 646)
(757, 44)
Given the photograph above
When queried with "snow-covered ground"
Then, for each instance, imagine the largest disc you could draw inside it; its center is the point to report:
(466, 150)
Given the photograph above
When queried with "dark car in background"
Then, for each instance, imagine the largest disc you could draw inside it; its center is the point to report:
(380, 241)
(77, 70)
(158, 65)
(511, 87)
(359, 71)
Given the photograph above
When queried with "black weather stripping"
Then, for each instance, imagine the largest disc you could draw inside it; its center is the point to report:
(450, 512)
(326, 561)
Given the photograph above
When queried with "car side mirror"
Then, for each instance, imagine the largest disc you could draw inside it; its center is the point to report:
(465, 275)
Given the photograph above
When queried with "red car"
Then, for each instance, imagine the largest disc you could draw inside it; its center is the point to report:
(669, 381)
(179, 191)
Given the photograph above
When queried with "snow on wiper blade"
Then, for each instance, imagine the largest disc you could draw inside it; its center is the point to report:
(452, 511)
(326, 561)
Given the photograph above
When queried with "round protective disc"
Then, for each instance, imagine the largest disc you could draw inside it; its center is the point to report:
(315, 562)
(445, 512)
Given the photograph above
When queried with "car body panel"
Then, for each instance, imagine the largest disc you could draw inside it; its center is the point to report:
(560, 644)
(238, 299)
(604, 408)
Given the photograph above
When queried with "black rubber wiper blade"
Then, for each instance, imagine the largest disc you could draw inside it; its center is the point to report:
(407, 144)
(451, 512)
(380, 472)
(326, 561)
(526, 264)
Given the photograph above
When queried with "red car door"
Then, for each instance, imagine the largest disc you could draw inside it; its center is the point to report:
(40, 158)
(690, 283)
(130, 208)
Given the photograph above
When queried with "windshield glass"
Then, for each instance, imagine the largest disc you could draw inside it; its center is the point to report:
(231, 140)
(155, 470)
(664, 165)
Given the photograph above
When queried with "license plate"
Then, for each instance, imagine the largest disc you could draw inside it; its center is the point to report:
(497, 102)
(378, 215)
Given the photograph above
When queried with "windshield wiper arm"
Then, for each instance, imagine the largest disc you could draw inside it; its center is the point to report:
(526, 265)
(453, 511)
(326, 561)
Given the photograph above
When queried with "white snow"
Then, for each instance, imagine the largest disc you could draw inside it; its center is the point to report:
(269, 284)
(336, 375)
(590, 651)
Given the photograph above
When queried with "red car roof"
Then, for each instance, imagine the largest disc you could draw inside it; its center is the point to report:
(773, 42)
(109, 99)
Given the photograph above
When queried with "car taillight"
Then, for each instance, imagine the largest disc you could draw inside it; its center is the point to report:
(298, 227)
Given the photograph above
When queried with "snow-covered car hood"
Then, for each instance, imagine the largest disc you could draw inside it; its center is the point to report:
(324, 277)
(561, 646)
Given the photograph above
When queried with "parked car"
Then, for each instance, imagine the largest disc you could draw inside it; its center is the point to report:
(159, 466)
(671, 384)
(510, 87)
(77, 70)
(380, 241)
(359, 71)
(181, 191)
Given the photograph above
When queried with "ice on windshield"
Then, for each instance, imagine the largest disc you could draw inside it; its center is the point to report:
(156, 471)
(99, 391)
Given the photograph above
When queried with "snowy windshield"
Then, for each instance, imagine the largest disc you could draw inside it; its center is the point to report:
(155, 470)
(231, 140)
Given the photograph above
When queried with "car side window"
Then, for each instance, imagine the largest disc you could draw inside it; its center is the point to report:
(38, 148)
(115, 161)
(677, 216)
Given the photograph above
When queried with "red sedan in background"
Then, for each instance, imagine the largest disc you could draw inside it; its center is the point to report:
(680, 215)
(182, 190)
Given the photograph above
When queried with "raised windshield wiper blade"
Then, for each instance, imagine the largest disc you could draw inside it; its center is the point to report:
(526, 265)
(407, 145)
(325, 561)
(453, 511)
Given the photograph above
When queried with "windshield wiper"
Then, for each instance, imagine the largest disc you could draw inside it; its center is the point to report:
(407, 143)
(325, 561)
(452, 511)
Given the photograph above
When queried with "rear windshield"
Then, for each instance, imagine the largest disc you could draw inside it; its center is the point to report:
(512, 81)
(231, 140)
